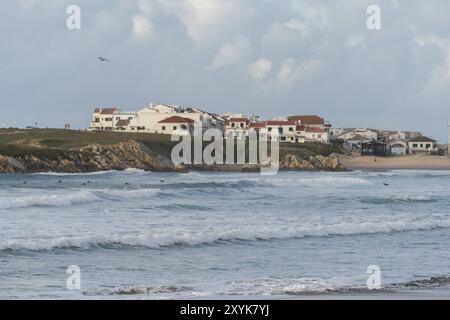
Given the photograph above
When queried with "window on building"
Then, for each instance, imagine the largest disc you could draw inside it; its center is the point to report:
(108, 119)
(421, 145)
(280, 130)
(242, 124)
(174, 127)
(233, 124)
(163, 128)
(269, 129)
(97, 120)
(283, 138)
(414, 145)
(291, 129)
(183, 127)
(428, 146)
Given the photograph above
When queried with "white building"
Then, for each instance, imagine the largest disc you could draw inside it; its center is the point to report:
(422, 145)
(176, 125)
(122, 119)
(306, 134)
(103, 119)
(312, 121)
(237, 127)
(398, 147)
(147, 119)
(284, 128)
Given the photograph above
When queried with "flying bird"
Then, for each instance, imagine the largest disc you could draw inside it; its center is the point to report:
(103, 59)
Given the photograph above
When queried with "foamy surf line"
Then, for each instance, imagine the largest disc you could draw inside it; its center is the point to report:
(183, 238)
(76, 196)
(93, 173)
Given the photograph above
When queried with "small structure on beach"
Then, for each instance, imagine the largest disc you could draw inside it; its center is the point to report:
(422, 144)
(375, 148)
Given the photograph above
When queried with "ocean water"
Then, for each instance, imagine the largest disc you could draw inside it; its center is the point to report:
(143, 235)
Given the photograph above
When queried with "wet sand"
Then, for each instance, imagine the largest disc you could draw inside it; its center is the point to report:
(409, 162)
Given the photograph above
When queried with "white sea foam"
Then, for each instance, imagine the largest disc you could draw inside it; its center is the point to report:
(94, 173)
(321, 181)
(129, 193)
(51, 200)
(160, 239)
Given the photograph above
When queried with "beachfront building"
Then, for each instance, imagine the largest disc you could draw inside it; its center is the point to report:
(285, 129)
(207, 119)
(312, 121)
(398, 147)
(306, 134)
(147, 119)
(237, 127)
(422, 144)
(176, 125)
(375, 148)
(122, 119)
(353, 138)
(103, 119)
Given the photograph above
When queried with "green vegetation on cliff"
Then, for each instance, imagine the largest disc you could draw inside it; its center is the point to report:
(56, 142)
(41, 150)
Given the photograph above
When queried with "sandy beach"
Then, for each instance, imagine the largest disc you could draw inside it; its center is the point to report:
(410, 162)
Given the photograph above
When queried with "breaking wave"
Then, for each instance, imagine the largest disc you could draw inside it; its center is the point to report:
(93, 173)
(136, 290)
(334, 181)
(54, 200)
(157, 240)
(397, 199)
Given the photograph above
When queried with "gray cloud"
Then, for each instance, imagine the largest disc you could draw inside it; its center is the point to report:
(265, 57)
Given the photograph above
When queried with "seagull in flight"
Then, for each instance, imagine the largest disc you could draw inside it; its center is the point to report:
(103, 59)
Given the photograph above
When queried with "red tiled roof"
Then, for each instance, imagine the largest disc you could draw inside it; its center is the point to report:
(258, 125)
(280, 123)
(238, 120)
(105, 110)
(310, 119)
(176, 119)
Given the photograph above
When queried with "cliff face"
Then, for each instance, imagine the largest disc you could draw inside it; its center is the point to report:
(132, 154)
(91, 158)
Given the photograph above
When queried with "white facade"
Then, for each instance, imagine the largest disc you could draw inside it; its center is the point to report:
(284, 128)
(422, 145)
(399, 147)
(176, 125)
(237, 127)
(305, 134)
(103, 119)
(147, 119)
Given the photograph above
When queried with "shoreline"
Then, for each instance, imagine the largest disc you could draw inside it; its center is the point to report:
(407, 162)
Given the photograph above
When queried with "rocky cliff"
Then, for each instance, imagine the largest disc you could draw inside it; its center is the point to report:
(131, 154)
(319, 162)
(93, 157)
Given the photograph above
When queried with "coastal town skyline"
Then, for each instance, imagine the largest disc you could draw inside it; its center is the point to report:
(274, 58)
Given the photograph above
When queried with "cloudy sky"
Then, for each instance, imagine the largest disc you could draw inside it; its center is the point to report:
(260, 57)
